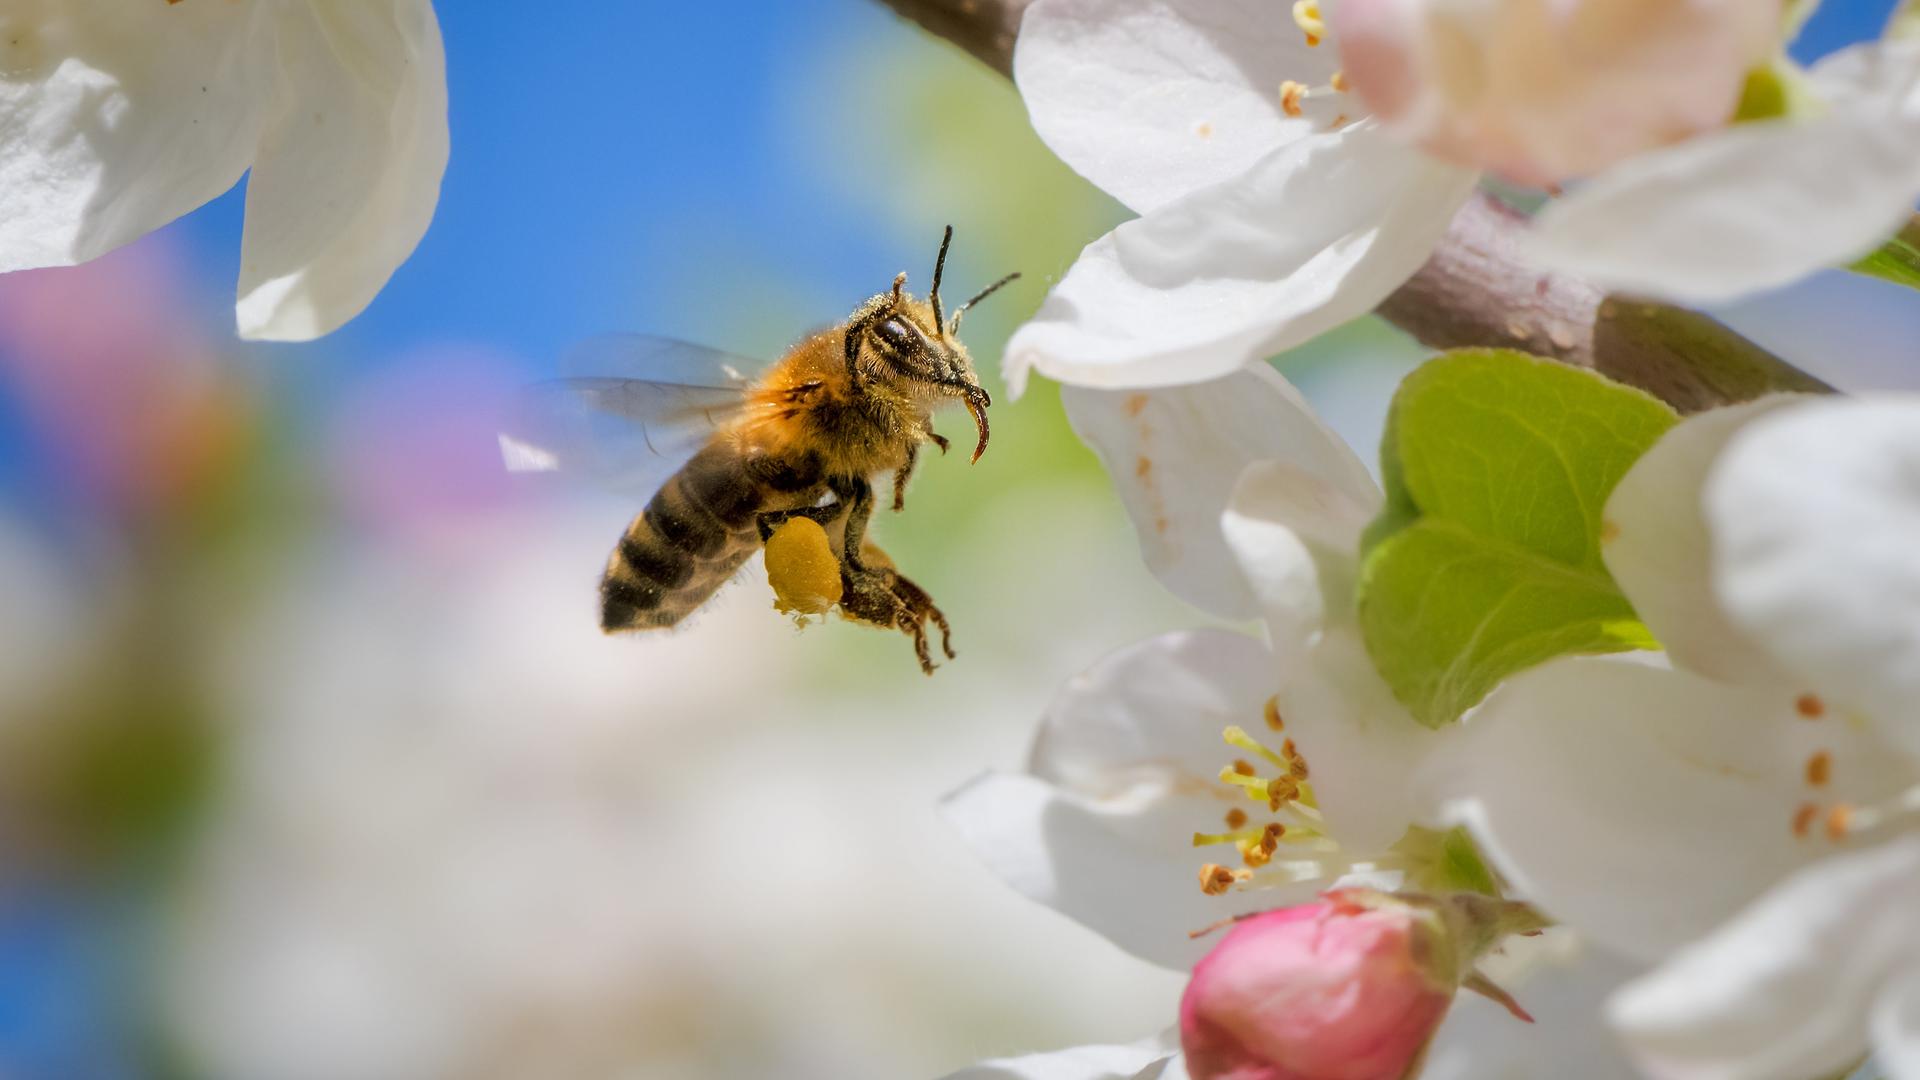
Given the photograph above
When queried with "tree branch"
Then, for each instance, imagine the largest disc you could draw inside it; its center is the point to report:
(1476, 290)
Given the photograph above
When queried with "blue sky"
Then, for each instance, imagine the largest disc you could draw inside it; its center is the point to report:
(604, 153)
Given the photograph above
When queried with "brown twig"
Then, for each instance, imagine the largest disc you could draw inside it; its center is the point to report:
(1478, 291)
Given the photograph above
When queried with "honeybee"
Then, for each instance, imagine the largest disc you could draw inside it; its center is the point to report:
(741, 456)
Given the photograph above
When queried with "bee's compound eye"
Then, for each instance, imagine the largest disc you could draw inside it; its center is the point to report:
(897, 335)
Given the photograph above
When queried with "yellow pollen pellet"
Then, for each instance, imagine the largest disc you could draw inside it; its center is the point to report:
(1339, 81)
(1803, 819)
(1215, 879)
(1273, 715)
(1839, 818)
(1291, 94)
(1819, 768)
(1236, 817)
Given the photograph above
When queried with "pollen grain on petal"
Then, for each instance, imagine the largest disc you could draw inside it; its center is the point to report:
(1803, 819)
(1810, 706)
(1819, 768)
(1275, 721)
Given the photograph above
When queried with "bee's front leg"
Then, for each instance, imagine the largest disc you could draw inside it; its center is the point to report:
(900, 476)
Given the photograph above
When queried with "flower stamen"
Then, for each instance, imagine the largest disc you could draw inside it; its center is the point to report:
(1306, 16)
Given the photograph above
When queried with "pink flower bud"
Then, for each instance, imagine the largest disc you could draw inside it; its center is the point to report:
(1542, 91)
(1351, 987)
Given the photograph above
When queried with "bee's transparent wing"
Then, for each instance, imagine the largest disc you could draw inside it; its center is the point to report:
(627, 413)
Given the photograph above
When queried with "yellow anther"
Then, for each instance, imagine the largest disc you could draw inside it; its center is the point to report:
(1819, 769)
(1291, 95)
(1281, 790)
(1236, 818)
(1839, 821)
(1339, 81)
(1306, 15)
(1216, 879)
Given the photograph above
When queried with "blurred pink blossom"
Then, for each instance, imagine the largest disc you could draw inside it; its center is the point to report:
(117, 384)
(415, 448)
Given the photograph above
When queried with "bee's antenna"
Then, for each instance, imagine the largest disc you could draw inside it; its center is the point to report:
(939, 267)
(981, 295)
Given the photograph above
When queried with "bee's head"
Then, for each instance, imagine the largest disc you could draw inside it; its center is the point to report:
(914, 346)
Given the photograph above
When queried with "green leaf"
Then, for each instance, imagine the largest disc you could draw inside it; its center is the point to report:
(1897, 260)
(1444, 862)
(1486, 558)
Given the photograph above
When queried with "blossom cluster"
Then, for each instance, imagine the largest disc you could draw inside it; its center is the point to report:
(1647, 677)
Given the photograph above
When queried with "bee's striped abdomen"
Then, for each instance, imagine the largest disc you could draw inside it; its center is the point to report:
(695, 532)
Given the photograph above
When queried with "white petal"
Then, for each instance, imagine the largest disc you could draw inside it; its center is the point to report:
(1174, 455)
(1658, 550)
(1784, 991)
(1124, 773)
(1896, 1025)
(117, 118)
(349, 166)
(1610, 791)
(1752, 206)
(1483, 1041)
(1141, 1061)
(1121, 868)
(1814, 512)
(1315, 234)
(1152, 99)
(1296, 537)
(1154, 710)
(1362, 746)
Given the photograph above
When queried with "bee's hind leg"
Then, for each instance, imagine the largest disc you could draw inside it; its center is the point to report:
(880, 595)
(919, 607)
(823, 516)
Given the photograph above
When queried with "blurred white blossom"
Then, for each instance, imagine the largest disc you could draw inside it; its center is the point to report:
(117, 118)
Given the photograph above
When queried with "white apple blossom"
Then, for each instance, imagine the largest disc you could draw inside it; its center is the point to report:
(1259, 229)
(1127, 767)
(1769, 547)
(1542, 92)
(117, 118)
(1755, 205)
(1273, 208)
